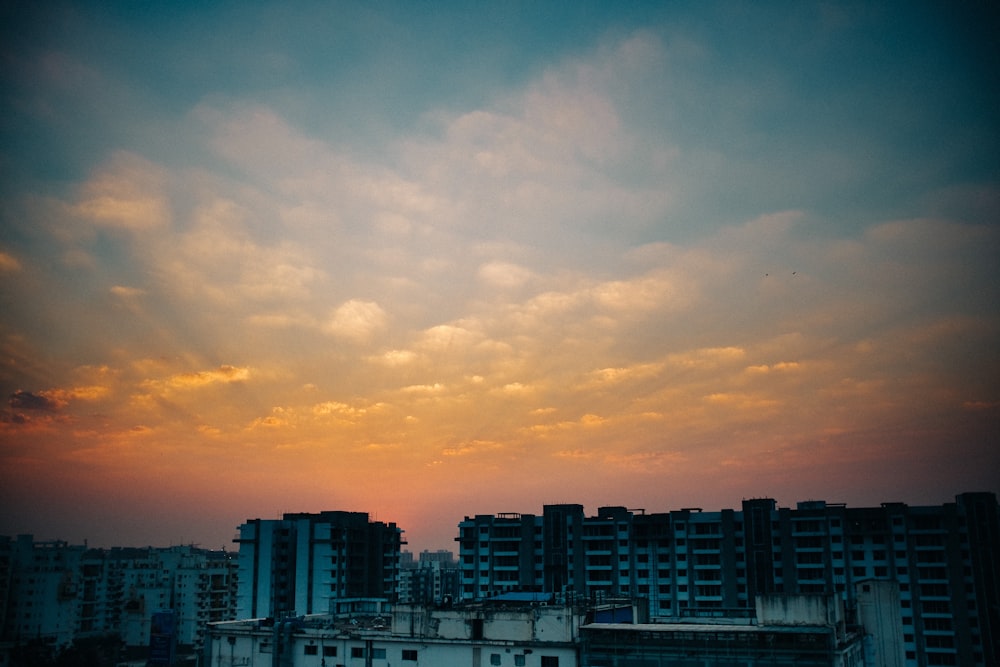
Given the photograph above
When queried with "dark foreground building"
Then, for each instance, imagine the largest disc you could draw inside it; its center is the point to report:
(300, 563)
(799, 630)
(942, 561)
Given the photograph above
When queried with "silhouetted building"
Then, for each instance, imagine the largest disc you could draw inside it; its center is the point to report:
(689, 563)
(302, 562)
(800, 630)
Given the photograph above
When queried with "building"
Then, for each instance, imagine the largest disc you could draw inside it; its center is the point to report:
(43, 592)
(300, 563)
(800, 630)
(366, 632)
(528, 630)
(878, 613)
(691, 563)
(58, 594)
(433, 579)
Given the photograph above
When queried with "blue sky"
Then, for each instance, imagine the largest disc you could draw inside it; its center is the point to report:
(427, 262)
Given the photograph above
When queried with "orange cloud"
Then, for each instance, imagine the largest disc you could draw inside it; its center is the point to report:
(9, 263)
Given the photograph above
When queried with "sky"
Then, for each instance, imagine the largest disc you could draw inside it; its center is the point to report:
(434, 260)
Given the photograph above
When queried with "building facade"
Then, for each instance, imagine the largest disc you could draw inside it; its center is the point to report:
(501, 635)
(522, 631)
(434, 578)
(690, 563)
(301, 563)
(56, 593)
(799, 630)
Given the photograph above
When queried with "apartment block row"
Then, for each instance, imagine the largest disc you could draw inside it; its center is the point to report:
(934, 568)
(53, 593)
(688, 563)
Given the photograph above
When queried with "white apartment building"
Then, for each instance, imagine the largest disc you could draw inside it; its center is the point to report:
(473, 636)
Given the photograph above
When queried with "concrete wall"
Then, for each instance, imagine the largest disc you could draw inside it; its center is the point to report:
(377, 649)
(800, 610)
(878, 613)
(547, 624)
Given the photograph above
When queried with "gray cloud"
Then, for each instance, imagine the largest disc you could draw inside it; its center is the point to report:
(25, 400)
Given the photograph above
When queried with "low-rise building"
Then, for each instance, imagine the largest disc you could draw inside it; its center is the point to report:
(530, 630)
(506, 634)
(801, 630)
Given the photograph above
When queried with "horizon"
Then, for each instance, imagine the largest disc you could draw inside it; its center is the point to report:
(262, 258)
(588, 511)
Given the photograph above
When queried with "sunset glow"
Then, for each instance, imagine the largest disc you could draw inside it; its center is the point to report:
(260, 258)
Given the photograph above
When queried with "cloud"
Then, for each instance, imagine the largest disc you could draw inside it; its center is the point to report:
(9, 263)
(472, 447)
(424, 389)
(548, 160)
(395, 358)
(128, 193)
(614, 376)
(504, 274)
(707, 357)
(780, 367)
(324, 415)
(221, 258)
(357, 320)
(127, 292)
(224, 374)
(43, 400)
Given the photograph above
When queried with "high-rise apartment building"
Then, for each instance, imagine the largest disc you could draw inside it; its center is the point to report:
(55, 593)
(300, 563)
(942, 560)
(433, 579)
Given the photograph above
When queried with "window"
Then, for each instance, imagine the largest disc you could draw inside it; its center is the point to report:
(310, 649)
(378, 653)
(494, 658)
(937, 624)
(940, 641)
(357, 652)
(550, 661)
(519, 660)
(410, 654)
(329, 651)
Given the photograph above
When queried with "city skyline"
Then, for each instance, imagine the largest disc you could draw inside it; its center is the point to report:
(261, 259)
